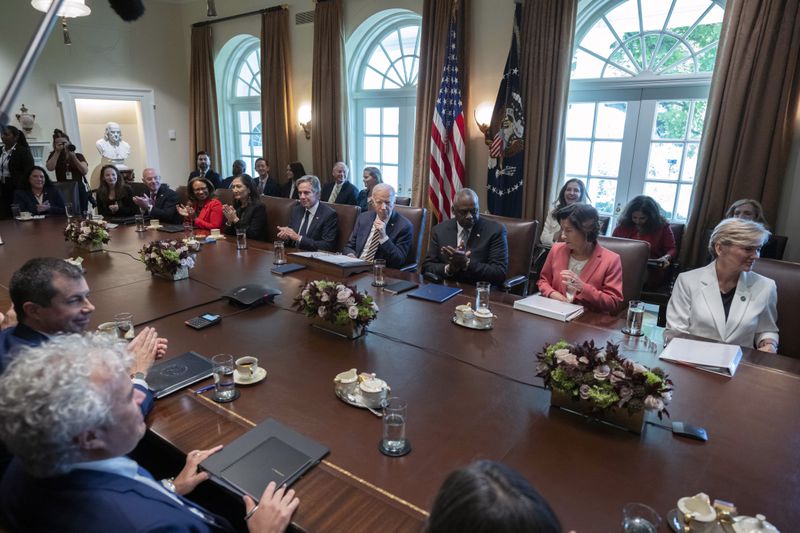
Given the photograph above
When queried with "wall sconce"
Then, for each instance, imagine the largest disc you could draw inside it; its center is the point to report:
(483, 116)
(211, 8)
(69, 9)
(304, 118)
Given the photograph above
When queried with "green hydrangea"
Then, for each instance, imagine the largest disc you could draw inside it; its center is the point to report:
(603, 396)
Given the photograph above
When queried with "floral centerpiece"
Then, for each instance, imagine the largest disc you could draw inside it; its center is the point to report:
(336, 307)
(167, 259)
(602, 383)
(88, 234)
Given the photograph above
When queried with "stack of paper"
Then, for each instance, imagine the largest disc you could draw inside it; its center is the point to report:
(720, 359)
(539, 305)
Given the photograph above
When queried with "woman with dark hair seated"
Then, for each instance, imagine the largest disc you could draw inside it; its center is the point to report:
(114, 196)
(642, 221)
(579, 269)
(573, 192)
(247, 210)
(372, 177)
(294, 171)
(207, 208)
(38, 195)
(492, 498)
(16, 162)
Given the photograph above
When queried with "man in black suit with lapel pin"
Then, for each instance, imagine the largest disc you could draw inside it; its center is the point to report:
(468, 248)
(340, 191)
(381, 233)
(160, 201)
(204, 169)
(312, 225)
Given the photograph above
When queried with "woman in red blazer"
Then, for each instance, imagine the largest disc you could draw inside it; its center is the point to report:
(209, 209)
(580, 270)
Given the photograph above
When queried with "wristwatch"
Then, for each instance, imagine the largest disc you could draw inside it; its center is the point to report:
(169, 483)
(138, 375)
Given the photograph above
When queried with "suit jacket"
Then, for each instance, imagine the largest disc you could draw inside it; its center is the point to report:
(696, 308)
(602, 278)
(165, 207)
(395, 250)
(94, 501)
(20, 163)
(488, 246)
(362, 200)
(211, 176)
(322, 230)
(253, 217)
(27, 201)
(271, 187)
(347, 195)
(126, 206)
(287, 189)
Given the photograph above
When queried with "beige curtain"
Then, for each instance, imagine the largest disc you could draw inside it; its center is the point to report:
(203, 121)
(548, 29)
(328, 93)
(433, 40)
(751, 111)
(277, 112)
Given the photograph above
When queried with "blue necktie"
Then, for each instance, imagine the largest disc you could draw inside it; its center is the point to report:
(304, 225)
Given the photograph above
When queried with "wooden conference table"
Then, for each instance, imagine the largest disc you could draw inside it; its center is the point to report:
(471, 394)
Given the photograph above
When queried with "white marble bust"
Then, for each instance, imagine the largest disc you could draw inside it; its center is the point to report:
(112, 147)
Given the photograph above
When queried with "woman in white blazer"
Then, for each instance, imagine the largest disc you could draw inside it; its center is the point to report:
(725, 301)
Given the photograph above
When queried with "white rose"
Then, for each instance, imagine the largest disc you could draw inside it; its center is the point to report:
(321, 311)
(324, 297)
(353, 312)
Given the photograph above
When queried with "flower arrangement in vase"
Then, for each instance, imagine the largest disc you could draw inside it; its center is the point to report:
(88, 234)
(336, 307)
(167, 259)
(602, 383)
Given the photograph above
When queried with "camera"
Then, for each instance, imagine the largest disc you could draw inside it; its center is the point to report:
(71, 148)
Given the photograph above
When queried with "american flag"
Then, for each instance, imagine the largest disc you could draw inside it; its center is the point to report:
(447, 136)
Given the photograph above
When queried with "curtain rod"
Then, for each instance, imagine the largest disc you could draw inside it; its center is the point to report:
(240, 15)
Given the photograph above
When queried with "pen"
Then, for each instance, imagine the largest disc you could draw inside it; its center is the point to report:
(203, 389)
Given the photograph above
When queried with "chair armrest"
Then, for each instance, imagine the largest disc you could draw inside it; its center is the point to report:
(409, 268)
(513, 282)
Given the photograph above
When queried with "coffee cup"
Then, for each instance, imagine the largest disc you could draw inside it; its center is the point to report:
(483, 318)
(215, 232)
(464, 313)
(97, 218)
(109, 328)
(346, 383)
(247, 367)
(25, 214)
(704, 516)
(154, 223)
(373, 392)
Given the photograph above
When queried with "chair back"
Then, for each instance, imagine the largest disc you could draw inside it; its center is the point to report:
(677, 232)
(775, 247)
(415, 215)
(183, 194)
(786, 276)
(402, 200)
(347, 215)
(225, 196)
(633, 255)
(522, 236)
(604, 221)
(138, 188)
(69, 193)
(279, 210)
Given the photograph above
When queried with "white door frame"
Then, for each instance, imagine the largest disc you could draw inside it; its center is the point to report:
(67, 94)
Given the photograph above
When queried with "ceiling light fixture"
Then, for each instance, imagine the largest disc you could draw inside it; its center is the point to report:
(69, 9)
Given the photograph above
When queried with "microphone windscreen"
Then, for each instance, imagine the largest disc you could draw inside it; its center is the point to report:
(128, 10)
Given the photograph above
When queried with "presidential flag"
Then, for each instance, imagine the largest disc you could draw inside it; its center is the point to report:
(507, 134)
(446, 177)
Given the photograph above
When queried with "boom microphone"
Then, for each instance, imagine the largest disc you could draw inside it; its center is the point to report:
(128, 10)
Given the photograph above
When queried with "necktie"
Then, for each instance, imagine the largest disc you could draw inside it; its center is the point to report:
(462, 238)
(304, 225)
(372, 246)
(335, 193)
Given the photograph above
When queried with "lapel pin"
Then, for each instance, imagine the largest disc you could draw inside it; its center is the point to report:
(743, 298)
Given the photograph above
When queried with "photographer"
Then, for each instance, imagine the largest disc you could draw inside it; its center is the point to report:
(69, 165)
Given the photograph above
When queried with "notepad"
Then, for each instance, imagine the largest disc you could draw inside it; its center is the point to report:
(400, 286)
(174, 374)
(550, 308)
(435, 293)
(286, 268)
(722, 359)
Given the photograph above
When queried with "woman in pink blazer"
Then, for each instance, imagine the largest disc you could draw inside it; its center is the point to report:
(579, 270)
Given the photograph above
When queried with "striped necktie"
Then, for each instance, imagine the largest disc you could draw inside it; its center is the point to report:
(372, 247)
(335, 193)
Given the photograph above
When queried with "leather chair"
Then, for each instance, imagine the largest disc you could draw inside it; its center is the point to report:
(787, 278)
(604, 221)
(417, 216)
(139, 188)
(183, 194)
(775, 247)
(69, 193)
(225, 196)
(522, 236)
(278, 212)
(402, 200)
(660, 295)
(347, 221)
(633, 255)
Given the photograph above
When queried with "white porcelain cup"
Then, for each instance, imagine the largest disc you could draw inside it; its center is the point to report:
(215, 232)
(373, 392)
(25, 214)
(483, 317)
(247, 367)
(464, 313)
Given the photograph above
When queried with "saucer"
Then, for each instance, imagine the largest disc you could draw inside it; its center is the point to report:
(261, 373)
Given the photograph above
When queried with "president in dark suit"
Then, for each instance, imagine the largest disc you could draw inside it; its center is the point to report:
(381, 233)
(204, 170)
(160, 202)
(70, 437)
(312, 225)
(340, 191)
(468, 248)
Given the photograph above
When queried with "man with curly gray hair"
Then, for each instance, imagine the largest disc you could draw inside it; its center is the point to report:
(69, 413)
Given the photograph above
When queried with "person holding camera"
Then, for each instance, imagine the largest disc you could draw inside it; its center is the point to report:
(69, 165)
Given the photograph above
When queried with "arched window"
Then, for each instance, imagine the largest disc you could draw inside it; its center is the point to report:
(639, 85)
(383, 69)
(239, 94)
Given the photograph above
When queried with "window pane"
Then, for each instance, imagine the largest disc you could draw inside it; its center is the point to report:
(372, 80)
(611, 120)
(605, 158)
(577, 157)
(671, 120)
(242, 88)
(392, 45)
(372, 120)
(664, 161)
(585, 65)
(663, 193)
(684, 198)
(599, 39)
(391, 120)
(372, 149)
(244, 121)
(579, 120)
(602, 193)
(690, 163)
(390, 150)
(698, 119)
(390, 175)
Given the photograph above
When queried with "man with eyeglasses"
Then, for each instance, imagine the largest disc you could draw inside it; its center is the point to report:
(382, 232)
(468, 248)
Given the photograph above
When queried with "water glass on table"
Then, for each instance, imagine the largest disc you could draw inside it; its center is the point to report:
(241, 238)
(224, 384)
(279, 252)
(124, 323)
(68, 211)
(394, 441)
(139, 219)
(633, 325)
(482, 291)
(378, 268)
(15, 211)
(639, 518)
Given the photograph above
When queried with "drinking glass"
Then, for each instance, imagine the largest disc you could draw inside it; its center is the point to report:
(482, 290)
(377, 270)
(68, 211)
(15, 210)
(279, 252)
(124, 322)
(639, 518)
(633, 325)
(188, 228)
(241, 238)
(139, 223)
(394, 440)
(224, 384)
